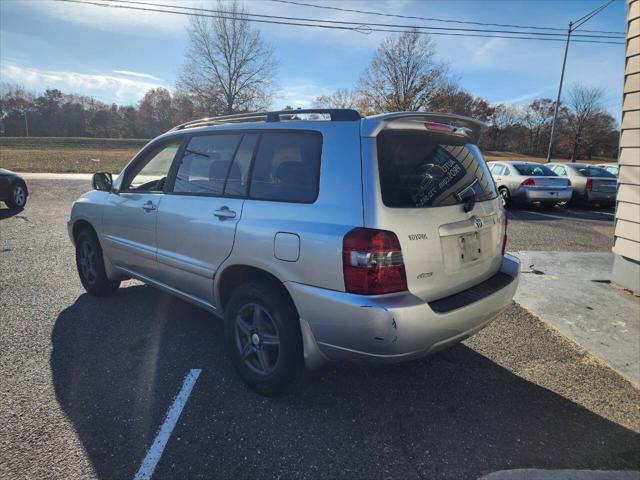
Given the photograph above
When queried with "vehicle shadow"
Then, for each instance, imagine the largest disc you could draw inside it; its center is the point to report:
(117, 363)
(9, 212)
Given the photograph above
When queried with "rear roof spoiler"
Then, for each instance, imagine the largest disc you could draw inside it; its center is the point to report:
(371, 126)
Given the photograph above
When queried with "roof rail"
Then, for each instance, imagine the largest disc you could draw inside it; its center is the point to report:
(336, 115)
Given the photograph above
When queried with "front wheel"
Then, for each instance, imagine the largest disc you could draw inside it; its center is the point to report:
(17, 196)
(263, 337)
(90, 264)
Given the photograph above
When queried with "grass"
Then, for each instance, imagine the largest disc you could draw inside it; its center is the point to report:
(89, 155)
(67, 155)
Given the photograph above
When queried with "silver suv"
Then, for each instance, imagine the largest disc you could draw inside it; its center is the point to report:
(316, 234)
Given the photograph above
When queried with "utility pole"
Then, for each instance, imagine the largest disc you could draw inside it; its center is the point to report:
(557, 106)
(572, 27)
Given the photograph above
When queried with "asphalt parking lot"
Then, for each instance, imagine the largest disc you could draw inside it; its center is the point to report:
(86, 382)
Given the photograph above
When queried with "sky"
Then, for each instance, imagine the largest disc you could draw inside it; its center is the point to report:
(116, 55)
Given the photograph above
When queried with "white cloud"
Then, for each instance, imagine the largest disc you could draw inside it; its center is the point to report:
(129, 73)
(125, 90)
(298, 93)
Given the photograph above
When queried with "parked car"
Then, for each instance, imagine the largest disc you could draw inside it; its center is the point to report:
(13, 189)
(591, 184)
(530, 182)
(324, 237)
(610, 167)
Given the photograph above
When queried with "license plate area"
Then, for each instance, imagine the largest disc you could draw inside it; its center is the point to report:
(469, 247)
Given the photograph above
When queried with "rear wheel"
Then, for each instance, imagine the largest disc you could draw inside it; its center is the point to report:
(90, 264)
(263, 337)
(506, 196)
(17, 196)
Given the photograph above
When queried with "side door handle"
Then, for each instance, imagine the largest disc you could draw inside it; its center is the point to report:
(224, 213)
(149, 206)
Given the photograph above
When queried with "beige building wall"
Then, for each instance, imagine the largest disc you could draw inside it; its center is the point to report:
(626, 269)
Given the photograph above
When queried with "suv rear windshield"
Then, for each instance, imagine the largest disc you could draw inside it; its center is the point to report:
(535, 170)
(420, 169)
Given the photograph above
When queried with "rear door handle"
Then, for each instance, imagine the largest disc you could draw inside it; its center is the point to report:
(149, 206)
(224, 213)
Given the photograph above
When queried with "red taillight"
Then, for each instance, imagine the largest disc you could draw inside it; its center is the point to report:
(372, 262)
(589, 185)
(439, 127)
(529, 182)
(505, 222)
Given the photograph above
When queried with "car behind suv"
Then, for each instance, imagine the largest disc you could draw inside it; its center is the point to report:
(317, 235)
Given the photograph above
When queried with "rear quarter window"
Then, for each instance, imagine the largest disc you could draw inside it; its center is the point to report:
(287, 167)
(420, 169)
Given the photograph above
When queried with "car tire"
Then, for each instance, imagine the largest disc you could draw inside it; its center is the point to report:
(262, 330)
(505, 195)
(17, 196)
(90, 265)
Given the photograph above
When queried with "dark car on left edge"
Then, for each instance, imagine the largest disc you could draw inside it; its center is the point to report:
(13, 189)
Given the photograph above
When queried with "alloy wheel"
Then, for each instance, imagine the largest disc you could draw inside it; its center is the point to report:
(88, 261)
(257, 339)
(19, 195)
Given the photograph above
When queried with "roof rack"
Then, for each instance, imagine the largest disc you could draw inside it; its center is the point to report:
(336, 115)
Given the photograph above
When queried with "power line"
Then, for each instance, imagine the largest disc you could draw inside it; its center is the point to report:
(372, 12)
(360, 28)
(356, 24)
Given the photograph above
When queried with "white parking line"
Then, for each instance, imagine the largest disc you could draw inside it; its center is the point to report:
(173, 414)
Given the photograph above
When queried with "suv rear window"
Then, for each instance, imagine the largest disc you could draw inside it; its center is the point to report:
(420, 169)
(287, 167)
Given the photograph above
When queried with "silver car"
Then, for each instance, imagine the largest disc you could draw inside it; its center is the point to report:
(316, 235)
(529, 182)
(591, 184)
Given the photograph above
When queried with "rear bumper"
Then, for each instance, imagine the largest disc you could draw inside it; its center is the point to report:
(551, 195)
(595, 196)
(396, 327)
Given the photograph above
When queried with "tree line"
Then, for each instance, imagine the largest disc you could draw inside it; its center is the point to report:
(230, 69)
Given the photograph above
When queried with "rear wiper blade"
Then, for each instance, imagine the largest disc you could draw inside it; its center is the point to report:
(469, 202)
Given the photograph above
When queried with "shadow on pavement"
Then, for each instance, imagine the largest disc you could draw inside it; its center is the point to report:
(9, 212)
(117, 362)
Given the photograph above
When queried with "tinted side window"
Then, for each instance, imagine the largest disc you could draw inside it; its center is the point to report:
(205, 164)
(239, 173)
(287, 167)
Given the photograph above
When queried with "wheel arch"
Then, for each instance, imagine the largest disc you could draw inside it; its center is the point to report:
(80, 225)
(234, 275)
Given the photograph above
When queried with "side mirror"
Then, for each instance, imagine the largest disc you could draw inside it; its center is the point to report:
(102, 181)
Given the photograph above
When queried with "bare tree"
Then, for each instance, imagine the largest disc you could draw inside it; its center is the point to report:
(503, 118)
(229, 68)
(403, 74)
(585, 107)
(341, 98)
(537, 118)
